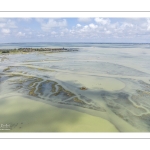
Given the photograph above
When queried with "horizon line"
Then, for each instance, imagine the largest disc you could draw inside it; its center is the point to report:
(82, 42)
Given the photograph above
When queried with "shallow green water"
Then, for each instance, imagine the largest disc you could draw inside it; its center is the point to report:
(117, 82)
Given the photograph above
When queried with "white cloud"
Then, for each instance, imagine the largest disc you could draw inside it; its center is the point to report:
(61, 33)
(2, 25)
(148, 24)
(5, 31)
(93, 26)
(90, 29)
(7, 23)
(21, 34)
(84, 28)
(124, 25)
(11, 24)
(148, 28)
(52, 23)
(114, 25)
(102, 21)
(107, 32)
(40, 20)
(53, 32)
(40, 35)
(78, 25)
(84, 20)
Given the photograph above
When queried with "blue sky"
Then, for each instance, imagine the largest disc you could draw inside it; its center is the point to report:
(75, 30)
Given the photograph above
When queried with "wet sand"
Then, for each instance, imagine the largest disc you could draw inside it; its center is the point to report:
(116, 95)
(26, 115)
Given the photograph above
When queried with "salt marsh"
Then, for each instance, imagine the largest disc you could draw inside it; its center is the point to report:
(116, 98)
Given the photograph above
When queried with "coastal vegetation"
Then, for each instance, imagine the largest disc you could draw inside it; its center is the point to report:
(19, 50)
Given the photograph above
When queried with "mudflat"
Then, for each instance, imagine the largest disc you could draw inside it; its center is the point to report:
(93, 89)
(26, 115)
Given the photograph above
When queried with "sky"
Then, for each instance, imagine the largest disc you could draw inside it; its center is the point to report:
(98, 30)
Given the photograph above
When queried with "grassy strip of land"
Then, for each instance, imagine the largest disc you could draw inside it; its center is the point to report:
(6, 51)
